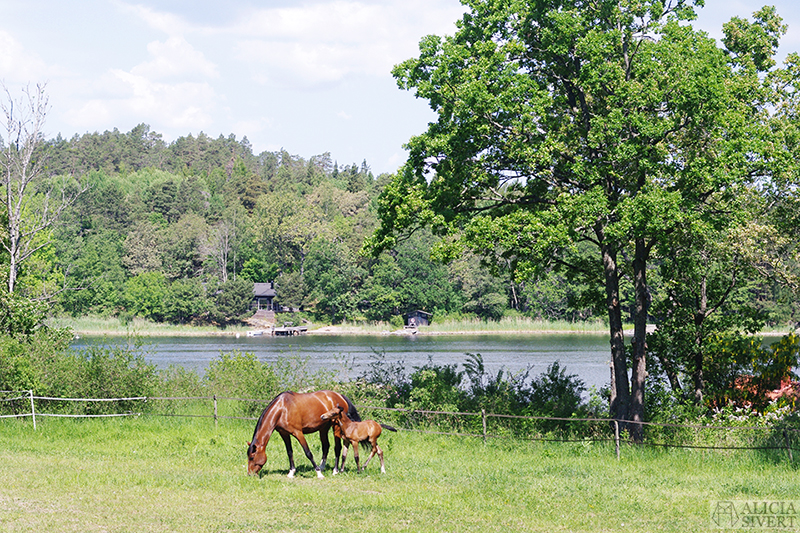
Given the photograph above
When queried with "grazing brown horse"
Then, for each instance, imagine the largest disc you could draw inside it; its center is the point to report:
(357, 432)
(295, 414)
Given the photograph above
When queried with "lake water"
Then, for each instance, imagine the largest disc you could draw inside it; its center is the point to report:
(586, 355)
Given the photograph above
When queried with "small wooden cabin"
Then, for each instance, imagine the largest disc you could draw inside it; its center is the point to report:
(418, 318)
(263, 297)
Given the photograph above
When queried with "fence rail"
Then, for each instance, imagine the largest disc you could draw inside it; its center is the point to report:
(789, 435)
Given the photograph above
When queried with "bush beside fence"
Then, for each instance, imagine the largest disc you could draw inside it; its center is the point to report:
(465, 424)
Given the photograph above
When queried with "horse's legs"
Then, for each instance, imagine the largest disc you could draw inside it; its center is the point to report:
(337, 452)
(302, 440)
(287, 440)
(323, 437)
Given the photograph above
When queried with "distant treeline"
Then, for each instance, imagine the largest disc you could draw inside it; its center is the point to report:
(179, 231)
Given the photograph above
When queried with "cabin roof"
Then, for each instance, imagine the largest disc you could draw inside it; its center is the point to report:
(263, 290)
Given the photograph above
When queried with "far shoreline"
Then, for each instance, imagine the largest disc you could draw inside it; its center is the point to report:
(325, 331)
(157, 330)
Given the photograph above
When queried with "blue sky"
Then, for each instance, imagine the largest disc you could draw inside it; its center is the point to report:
(307, 76)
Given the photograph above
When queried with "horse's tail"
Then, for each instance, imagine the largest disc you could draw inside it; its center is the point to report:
(352, 412)
(390, 428)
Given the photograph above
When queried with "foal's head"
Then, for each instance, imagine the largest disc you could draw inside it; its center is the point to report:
(334, 414)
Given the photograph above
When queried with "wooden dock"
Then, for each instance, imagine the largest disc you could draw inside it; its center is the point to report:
(289, 331)
(285, 331)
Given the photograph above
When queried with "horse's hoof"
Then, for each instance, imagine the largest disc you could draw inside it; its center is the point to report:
(319, 475)
(290, 475)
(335, 471)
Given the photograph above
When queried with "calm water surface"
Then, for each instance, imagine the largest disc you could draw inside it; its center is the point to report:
(586, 355)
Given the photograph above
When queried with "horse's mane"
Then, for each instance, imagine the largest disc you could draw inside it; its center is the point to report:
(352, 413)
(263, 414)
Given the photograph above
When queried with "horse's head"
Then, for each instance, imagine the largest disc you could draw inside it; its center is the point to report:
(333, 414)
(256, 458)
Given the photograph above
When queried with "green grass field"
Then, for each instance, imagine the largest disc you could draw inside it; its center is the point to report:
(155, 474)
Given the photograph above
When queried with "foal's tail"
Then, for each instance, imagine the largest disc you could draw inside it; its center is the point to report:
(390, 428)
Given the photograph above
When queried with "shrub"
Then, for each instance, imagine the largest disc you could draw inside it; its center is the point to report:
(113, 372)
(238, 375)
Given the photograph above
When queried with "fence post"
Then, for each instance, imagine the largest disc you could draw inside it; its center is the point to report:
(616, 437)
(33, 410)
(788, 446)
(483, 419)
(215, 411)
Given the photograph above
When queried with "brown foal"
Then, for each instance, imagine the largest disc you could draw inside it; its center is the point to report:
(366, 433)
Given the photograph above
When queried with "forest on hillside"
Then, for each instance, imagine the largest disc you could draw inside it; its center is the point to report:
(179, 231)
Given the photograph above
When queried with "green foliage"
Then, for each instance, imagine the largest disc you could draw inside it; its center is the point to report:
(44, 363)
(17, 371)
(333, 280)
(145, 295)
(435, 387)
(19, 316)
(112, 372)
(237, 375)
(501, 393)
(556, 393)
(95, 265)
(185, 300)
(743, 371)
(230, 300)
(409, 279)
(259, 271)
(445, 388)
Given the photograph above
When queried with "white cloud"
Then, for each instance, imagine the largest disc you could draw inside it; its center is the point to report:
(175, 58)
(179, 105)
(169, 89)
(17, 65)
(131, 98)
(322, 43)
(252, 128)
(168, 23)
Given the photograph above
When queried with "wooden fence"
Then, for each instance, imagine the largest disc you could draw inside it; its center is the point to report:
(784, 439)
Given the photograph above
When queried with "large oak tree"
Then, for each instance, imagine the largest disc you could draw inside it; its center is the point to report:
(563, 123)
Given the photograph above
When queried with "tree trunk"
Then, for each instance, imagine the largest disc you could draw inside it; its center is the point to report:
(620, 393)
(639, 372)
(672, 375)
(699, 317)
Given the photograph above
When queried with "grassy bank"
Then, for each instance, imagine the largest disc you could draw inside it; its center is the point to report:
(154, 475)
(96, 326)
(113, 327)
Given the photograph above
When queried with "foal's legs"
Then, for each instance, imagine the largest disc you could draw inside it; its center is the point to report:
(344, 453)
(375, 449)
(355, 454)
(380, 455)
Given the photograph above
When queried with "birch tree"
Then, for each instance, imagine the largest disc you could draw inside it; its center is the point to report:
(32, 199)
